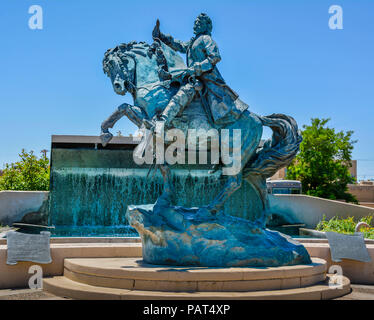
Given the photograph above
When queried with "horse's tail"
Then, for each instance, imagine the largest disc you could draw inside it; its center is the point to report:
(279, 150)
(276, 152)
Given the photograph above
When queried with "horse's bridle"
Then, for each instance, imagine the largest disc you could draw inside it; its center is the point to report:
(129, 85)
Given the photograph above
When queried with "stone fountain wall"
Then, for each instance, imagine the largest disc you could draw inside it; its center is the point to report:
(91, 189)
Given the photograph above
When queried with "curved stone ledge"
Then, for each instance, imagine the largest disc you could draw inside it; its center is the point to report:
(63, 286)
(133, 274)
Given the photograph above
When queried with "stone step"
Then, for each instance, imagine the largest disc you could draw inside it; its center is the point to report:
(64, 287)
(363, 288)
(357, 296)
(133, 274)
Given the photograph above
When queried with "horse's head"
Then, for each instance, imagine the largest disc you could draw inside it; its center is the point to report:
(139, 64)
(120, 68)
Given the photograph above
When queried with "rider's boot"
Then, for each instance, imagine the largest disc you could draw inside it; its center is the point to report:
(177, 103)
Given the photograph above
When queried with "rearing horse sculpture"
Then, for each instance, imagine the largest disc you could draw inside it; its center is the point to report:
(152, 74)
(156, 77)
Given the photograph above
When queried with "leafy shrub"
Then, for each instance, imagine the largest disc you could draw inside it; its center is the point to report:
(346, 225)
(30, 173)
(322, 165)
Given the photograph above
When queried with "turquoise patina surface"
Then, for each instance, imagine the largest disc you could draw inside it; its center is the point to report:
(180, 236)
(196, 96)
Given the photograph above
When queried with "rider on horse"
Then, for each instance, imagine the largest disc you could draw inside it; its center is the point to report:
(162, 88)
(221, 103)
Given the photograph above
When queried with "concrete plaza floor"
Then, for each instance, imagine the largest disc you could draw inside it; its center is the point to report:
(27, 294)
(359, 292)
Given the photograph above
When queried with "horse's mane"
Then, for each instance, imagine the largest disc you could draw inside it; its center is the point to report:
(134, 49)
(124, 50)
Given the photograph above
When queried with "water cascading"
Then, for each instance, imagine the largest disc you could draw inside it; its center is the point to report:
(91, 188)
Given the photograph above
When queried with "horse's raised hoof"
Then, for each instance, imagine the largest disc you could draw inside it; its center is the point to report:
(105, 138)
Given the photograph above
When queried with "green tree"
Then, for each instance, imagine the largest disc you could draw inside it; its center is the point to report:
(322, 164)
(30, 173)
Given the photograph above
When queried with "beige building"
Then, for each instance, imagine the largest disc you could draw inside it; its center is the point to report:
(353, 169)
(281, 173)
(364, 192)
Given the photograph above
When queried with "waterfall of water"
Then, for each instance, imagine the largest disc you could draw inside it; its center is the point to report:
(94, 200)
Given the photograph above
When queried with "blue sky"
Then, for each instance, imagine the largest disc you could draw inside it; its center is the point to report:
(280, 56)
